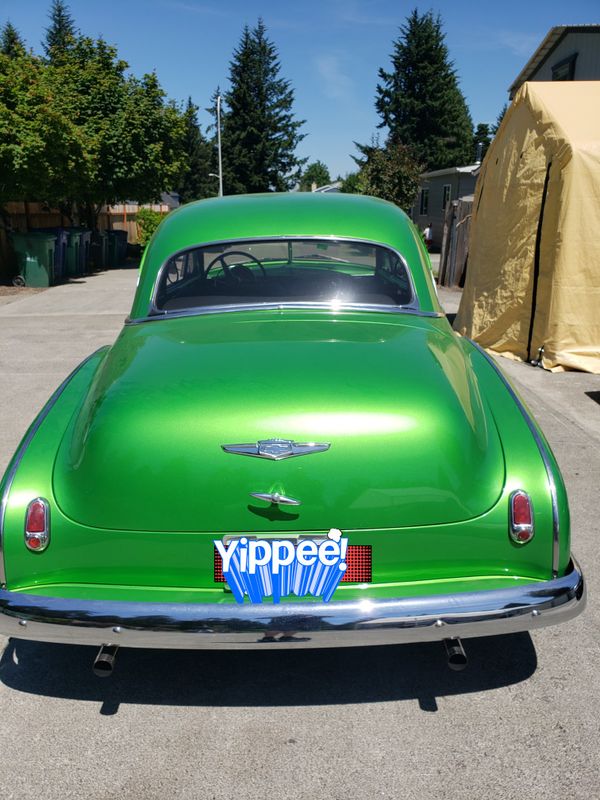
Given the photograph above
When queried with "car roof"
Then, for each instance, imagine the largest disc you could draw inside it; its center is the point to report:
(299, 214)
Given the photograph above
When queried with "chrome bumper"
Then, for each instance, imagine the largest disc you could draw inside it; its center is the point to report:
(334, 624)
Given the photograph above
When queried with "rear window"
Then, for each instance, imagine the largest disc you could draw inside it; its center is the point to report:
(320, 271)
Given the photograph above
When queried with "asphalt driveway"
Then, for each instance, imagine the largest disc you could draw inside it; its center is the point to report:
(523, 721)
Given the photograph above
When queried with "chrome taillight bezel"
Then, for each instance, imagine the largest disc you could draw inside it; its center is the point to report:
(38, 541)
(520, 533)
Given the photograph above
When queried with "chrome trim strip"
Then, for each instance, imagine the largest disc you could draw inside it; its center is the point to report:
(154, 311)
(543, 452)
(18, 457)
(338, 623)
(276, 499)
(197, 312)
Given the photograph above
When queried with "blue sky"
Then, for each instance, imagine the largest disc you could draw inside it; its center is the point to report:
(330, 50)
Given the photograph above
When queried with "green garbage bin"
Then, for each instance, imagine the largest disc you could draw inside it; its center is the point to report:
(85, 240)
(113, 249)
(73, 259)
(99, 249)
(35, 258)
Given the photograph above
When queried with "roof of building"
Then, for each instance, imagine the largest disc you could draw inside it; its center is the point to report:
(330, 187)
(545, 49)
(470, 169)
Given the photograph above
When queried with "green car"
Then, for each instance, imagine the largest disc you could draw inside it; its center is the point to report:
(287, 445)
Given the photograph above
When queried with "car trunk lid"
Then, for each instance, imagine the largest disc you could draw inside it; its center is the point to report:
(411, 441)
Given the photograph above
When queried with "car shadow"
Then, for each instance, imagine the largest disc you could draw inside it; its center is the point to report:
(268, 678)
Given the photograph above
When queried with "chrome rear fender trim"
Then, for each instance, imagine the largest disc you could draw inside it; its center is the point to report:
(543, 453)
(18, 457)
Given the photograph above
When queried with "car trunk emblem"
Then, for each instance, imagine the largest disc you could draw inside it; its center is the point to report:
(276, 449)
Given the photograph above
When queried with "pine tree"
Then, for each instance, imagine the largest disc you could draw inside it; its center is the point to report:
(499, 119)
(482, 136)
(11, 44)
(195, 182)
(259, 132)
(61, 34)
(420, 100)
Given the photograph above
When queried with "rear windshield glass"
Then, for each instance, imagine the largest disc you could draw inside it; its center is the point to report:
(283, 271)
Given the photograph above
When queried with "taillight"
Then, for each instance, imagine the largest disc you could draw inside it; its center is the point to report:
(37, 525)
(521, 517)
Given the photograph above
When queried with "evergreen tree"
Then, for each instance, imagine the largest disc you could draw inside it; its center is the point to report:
(481, 137)
(259, 132)
(420, 100)
(61, 34)
(195, 182)
(11, 44)
(499, 119)
(317, 173)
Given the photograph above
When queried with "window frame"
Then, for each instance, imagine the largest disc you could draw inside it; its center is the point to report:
(569, 64)
(446, 199)
(155, 313)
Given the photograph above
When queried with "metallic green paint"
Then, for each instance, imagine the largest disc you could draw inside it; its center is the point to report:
(170, 394)
(426, 442)
(293, 214)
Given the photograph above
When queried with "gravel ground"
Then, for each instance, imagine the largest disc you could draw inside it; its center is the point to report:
(521, 722)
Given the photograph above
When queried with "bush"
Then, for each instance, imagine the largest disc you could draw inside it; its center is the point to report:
(147, 222)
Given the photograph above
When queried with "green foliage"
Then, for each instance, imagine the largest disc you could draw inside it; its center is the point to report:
(259, 134)
(198, 160)
(147, 222)
(11, 44)
(390, 172)
(38, 144)
(481, 136)
(78, 132)
(420, 100)
(316, 172)
(61, 34)
(499, 119)
(351, 184)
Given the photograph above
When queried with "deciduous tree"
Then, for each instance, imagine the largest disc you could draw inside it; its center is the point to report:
(37, 142)
(390, 172)
(317, 173)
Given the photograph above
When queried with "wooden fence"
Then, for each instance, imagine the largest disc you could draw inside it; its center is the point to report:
(455, 242)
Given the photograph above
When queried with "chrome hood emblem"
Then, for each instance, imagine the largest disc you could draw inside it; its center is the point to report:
(276, 449)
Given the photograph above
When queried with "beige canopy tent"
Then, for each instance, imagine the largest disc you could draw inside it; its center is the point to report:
(532, 288)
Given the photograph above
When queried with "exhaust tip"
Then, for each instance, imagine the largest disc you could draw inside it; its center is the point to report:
(104, 662)
(455, 654)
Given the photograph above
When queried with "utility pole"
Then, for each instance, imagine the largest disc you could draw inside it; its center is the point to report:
(219, 145)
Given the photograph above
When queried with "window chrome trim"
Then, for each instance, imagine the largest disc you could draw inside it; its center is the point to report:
(154, 311)
(22, 449)
(199, 312)
(543, 449)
